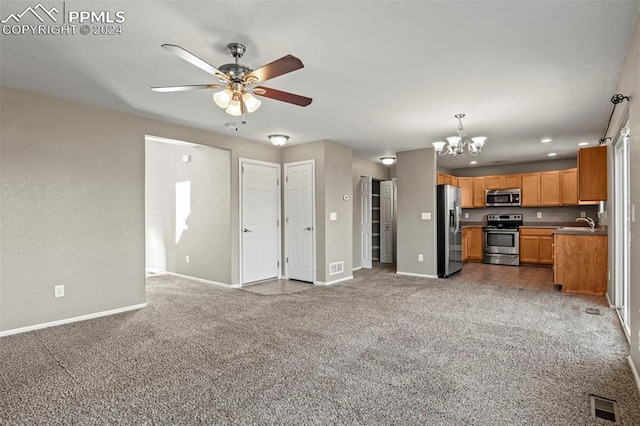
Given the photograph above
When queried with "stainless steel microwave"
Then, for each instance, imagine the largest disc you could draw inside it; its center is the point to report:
(502, 197)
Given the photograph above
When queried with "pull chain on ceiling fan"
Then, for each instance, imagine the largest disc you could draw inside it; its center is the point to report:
(239, 81)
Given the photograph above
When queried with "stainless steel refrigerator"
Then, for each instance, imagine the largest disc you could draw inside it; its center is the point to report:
(449, 230)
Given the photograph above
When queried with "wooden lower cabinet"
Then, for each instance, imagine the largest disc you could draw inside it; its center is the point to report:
(580, 263)
(472, 243)
(536, 245)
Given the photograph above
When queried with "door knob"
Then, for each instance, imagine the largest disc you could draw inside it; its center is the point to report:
(247, 230)
(308, 228)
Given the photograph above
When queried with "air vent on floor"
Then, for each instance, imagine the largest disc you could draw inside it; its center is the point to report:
(593, 311)
(336, 268)
(606, 409)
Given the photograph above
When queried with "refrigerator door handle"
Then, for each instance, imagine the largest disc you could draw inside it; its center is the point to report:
(458, 218)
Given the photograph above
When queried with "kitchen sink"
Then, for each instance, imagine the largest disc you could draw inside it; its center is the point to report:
(578, 228)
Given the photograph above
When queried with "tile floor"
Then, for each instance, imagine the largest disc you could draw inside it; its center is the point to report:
(539, 278)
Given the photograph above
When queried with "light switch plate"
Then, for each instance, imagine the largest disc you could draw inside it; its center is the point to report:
(426, 215)
(333, 216)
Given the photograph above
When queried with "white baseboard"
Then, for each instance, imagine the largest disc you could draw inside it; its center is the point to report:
(204, 281)
(334, 281)
(356, 269)
(608, 300)
(72, 319)
(411, 274)
(635, 372)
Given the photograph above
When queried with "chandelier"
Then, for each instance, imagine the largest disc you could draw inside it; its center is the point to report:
(457, 143)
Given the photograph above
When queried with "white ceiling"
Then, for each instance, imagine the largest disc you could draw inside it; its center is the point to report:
(384, 76)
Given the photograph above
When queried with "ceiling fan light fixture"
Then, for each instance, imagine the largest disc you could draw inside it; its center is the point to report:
(387, 161)
(250, 102)
(222, 98)
(278, 140)
(235, 106)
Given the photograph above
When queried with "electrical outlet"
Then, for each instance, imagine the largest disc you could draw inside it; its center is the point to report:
(583, 214)
(187, 259)
(466, 215)
(58, 291)
(539, 215)
(420, 258)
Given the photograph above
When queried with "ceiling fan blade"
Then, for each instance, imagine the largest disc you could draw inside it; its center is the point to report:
(281, 66)
(279, 95)
(191, 58)
(185, 88)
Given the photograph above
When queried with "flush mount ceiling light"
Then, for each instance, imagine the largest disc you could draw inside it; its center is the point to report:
(457, 143)
(278, 140)
(387, 161)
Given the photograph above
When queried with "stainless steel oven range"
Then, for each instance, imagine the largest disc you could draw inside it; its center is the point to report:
(502, 239)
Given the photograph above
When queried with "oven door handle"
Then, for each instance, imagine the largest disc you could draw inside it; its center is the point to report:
(501, 231)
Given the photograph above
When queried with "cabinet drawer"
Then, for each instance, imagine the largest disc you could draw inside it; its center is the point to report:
(524, 231)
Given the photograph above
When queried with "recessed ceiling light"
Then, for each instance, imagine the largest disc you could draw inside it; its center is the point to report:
(583, 144)
(552, 154)
(545, 140)
(473, 162)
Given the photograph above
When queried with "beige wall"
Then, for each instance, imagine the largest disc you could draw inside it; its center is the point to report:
(504, 169)
(360, 168)
(629, 85)
(206, 238)
(333, 166)
(72, 205)
(416, 184)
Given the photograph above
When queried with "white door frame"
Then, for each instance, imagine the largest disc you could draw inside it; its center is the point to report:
(241, 161)
(313, 216)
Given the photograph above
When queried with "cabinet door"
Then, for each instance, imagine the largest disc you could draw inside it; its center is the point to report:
(465, 244)
(530, 189)
(466, 185)
(569, 187)
(511, 181)
(493, 182)
(546, 250)
(529, 249)
(478, 192)
(592, 174)
(475, 243)
(550, 188)
(454, 181)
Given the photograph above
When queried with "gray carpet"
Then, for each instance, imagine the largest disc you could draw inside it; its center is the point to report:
(380, 349)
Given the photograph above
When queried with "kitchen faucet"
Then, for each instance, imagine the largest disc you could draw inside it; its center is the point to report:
(587, 219)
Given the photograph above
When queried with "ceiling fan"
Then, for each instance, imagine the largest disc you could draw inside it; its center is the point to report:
(239, 81)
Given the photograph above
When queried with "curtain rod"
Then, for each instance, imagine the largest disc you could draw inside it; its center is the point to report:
(615, 100)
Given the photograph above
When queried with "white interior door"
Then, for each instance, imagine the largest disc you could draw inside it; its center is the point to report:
(365, 222)
(386, 221)
(260, 223)
(299, 217)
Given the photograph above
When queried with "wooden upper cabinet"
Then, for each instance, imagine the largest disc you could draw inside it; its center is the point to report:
(511, 181)
(502, 182)
(550, 188)
(530, 189)
(592, 174)
(454, 181)
(569, 187)
(493, 182)
(478, 191)
(441, 178)
(466, 185)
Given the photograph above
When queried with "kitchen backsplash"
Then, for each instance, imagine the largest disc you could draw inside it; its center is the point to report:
(549, 214)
